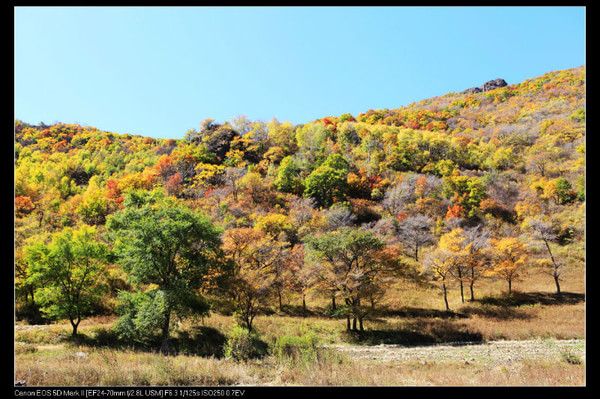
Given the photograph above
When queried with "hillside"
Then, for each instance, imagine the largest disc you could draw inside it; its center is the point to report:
(512, 131)
(494, 157)
(458, 218)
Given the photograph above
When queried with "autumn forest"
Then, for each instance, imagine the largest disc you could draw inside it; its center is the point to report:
(455, 218)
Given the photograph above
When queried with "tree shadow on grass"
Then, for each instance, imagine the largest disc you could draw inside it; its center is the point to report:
(496, 312)
(533, 298)
(299, 311)
(201, 341)
(412, 312)
(417, 333)
(103, 338)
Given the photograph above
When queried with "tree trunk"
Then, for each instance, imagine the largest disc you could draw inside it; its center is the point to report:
(75, 324)
(509, 286)
(445, 296)
(348, 323)
(249, 317)
(354, 323)
(333, 306)
(460, 280)
(304, 303)
(557, 282)
(555, 274)
(360, 324)
(417, 253)
(164, 347)
(279, 298)
(472, 284)
(472, 292)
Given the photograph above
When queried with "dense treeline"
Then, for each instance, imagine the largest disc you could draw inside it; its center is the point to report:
(245, 215)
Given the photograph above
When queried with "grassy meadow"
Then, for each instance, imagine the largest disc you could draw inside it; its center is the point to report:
(411, 317)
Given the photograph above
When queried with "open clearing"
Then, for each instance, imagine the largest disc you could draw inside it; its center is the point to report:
(531, 340)
(497, 352)
(507, 363)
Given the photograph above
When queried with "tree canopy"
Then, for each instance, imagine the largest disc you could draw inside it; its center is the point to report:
(170, 247)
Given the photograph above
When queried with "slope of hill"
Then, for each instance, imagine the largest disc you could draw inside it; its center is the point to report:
(458, 218)
(495, 159)
(521, 146)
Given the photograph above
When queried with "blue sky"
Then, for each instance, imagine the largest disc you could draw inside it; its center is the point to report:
(160, 71)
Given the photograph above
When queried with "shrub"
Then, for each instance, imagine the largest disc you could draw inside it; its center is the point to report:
(297, 348)
(570, 357)
(22, 348)
(140, 316)
(30, 312)
(243, 345)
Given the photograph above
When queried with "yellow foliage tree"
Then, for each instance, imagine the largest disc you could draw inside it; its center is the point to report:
(254, 256)
(439, 263)
(273, 224)
(511, 255)
(458, 249)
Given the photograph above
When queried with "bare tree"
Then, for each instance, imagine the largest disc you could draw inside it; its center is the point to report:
(415, 231)
(544, 232)
(303, 275)
(301, 212)
(396, 198)
(241, 124)
(385, 228)
(232, 175)
(339, 216)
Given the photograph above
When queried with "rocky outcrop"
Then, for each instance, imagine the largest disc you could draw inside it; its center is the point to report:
(490, 85)
(473, 90)
(494, 84)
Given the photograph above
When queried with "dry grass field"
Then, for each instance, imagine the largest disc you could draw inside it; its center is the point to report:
(395, 349)
(65, 365)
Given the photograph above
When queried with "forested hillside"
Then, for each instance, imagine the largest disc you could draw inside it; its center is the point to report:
(247, 217)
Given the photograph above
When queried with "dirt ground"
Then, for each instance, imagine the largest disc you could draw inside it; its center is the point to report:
(498, 352)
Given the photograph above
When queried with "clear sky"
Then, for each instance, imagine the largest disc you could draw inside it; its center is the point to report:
(160, 71)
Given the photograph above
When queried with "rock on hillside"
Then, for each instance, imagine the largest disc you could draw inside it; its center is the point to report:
(490, 85)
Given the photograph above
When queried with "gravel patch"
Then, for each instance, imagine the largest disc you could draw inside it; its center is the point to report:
(27, 327)
(490, 352)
